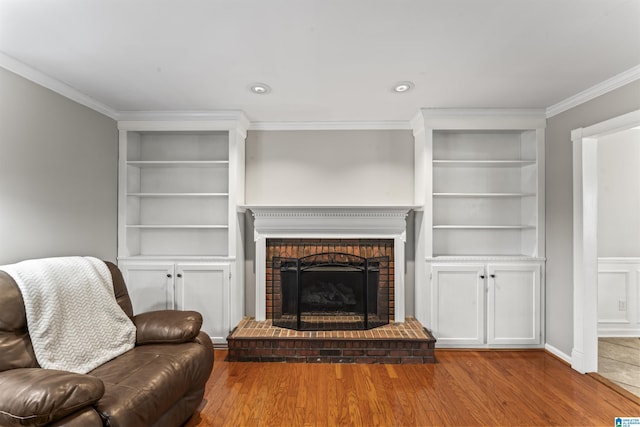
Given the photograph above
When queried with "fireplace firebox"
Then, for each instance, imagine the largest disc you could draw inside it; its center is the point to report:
(330, 291)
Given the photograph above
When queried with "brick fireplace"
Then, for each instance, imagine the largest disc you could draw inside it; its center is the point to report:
(335, 232)
(348, 256)
(298, 230)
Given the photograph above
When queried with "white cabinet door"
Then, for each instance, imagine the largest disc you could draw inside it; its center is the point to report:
(205, 288)
(150, 286)
(458, 304)
(513, 304)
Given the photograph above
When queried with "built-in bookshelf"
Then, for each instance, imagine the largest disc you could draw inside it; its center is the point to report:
(480, 176)
(484, 192)
(179, 235)
(177, 193)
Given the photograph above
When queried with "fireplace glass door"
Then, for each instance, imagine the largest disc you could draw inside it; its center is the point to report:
(330, 291)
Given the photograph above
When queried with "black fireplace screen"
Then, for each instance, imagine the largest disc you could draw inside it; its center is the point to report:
(330, 291)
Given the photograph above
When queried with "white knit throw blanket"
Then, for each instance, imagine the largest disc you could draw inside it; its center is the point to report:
(74, 320)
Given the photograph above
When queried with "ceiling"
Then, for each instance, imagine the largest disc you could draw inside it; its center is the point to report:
(325, 60)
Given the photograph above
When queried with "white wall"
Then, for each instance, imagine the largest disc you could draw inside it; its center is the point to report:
(559, 205)
(619, 194)
(329, 167)
(619, 234)
(58, 175)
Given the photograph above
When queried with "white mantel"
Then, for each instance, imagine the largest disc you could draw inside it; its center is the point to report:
(330, 222)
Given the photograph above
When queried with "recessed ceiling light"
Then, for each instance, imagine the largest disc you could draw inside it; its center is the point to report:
(260, 88)
(401, 87)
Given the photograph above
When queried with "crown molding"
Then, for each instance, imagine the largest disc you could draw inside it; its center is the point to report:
(334, 125)
(478, 118)
(15, 66)
(9, 63)
(184, 120)
(182, 115)
(599, 89)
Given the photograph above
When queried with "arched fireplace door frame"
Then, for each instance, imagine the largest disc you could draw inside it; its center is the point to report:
(331, 291)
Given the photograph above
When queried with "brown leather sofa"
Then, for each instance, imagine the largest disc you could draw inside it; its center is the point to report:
(160, 382)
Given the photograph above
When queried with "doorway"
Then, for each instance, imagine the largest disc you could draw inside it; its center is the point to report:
(584, 356)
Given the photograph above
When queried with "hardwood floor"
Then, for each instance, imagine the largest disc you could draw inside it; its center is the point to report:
(465, 388)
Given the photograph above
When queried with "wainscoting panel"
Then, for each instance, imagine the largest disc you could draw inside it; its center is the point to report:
(618, 297)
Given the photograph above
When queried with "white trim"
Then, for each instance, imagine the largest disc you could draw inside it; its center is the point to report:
(217, 115)
(484, 258)
(334, 125)
(44, 80)
(585, 254)
(618, 333)
(616, 124)
(38, 77)
(551, 349)
(212, 121)
(478, 119)
(481, 112)
(618, 260)
(599, 89)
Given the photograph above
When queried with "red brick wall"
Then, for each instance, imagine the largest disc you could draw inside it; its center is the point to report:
(298, 248)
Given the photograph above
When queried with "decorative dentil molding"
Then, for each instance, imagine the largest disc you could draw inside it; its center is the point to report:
(346, 221)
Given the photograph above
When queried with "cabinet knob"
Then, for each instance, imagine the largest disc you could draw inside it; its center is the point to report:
(482, 276)
(493, 276)
(179, 275)
(169, 275)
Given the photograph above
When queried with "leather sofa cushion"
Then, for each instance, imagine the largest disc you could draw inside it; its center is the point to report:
(16, 350)
(87, 417)
(147, 381)
(36, 397)
(167, 326)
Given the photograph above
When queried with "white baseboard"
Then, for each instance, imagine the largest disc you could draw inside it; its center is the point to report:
(619, 333)
(551, 349)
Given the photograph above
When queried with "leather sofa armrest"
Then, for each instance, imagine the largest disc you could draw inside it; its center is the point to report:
(167, 326)
(36, 396)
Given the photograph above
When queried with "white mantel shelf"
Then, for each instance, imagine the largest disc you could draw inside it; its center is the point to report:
(330, 220)
(319, 209)
(334, 222)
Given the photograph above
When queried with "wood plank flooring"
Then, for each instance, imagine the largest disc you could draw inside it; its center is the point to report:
(619, 362)
(465, 388)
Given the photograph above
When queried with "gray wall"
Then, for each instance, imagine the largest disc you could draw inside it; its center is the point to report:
(619, 194)
(58, 175)
(329, 167)
(559, 211)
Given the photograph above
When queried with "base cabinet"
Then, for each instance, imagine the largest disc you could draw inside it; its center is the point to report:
(486, 304)
(202, 287)
(458, 304)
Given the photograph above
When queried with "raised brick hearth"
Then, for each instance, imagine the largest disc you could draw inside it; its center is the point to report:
(397, 343)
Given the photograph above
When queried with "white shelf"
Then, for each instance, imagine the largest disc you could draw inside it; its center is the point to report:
(483, 227)
(485, 190)
(178, 194)
(484, 163)
(177, 226)
(488, 195)
(175, 193)
(178, 164)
